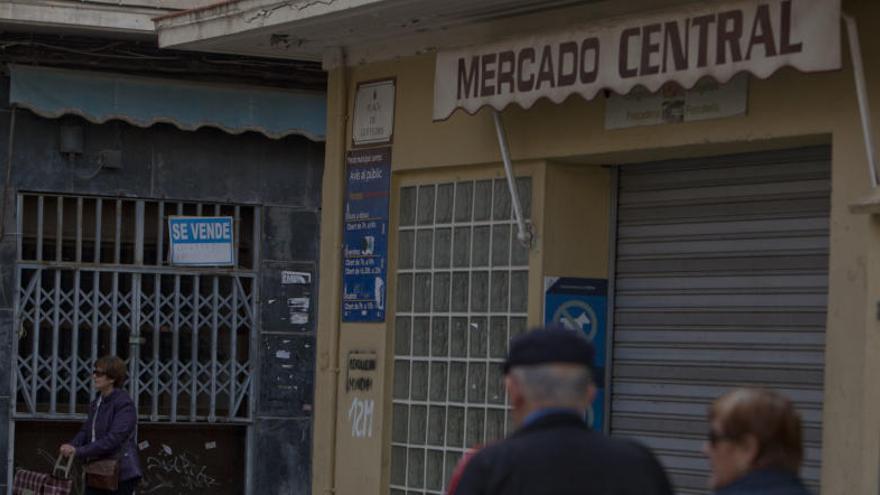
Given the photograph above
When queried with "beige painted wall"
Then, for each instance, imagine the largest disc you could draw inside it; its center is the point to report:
(576, 221)
(789, 109)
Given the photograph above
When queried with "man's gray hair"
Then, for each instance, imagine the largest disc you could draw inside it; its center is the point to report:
(553, 384)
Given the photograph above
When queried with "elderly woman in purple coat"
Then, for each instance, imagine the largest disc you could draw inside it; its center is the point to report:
(110, 430)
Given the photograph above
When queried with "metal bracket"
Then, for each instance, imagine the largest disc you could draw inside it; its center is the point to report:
(862, 94)
(524, 232)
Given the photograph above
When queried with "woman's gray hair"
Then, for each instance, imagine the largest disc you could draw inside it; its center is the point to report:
(553, 384)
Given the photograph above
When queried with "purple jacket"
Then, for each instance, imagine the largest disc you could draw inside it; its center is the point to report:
(115, 421)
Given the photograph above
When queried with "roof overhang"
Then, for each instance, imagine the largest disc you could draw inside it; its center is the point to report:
(133, 17)
(371, 30)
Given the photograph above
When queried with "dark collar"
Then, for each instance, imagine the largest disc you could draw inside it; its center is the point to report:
(112, 396)
(762, 479)
(554, 420)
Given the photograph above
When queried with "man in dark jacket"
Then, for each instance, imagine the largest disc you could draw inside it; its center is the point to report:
(553, 451)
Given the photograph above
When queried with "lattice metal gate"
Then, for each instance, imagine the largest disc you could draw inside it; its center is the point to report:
(93, 279)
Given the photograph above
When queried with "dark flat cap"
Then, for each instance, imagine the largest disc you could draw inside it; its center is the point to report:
(550, 345)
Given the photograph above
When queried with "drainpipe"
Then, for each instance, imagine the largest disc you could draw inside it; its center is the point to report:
(338, 58)
(524, 232)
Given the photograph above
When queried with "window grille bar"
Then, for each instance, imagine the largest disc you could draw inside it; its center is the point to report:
(19, 228)
(194, 344)
(79, 229)
(96, 314)
(160, 233)
(74, 341)
(157, 333)
(56, 322)
(114, 321)
(236, 242)
(175, 349)
(117, 238)
(215, 302)
(140, 207)
(39, 228)
(135, 337)
(59, 227)
(99, 236)
(233, 346)
(17, 324)
(134, 340)
(255, 243)
(35, 334)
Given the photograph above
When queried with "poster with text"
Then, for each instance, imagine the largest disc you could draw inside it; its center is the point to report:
(366, 235)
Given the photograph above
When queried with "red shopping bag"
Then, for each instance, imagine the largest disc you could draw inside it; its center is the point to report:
(28, 482)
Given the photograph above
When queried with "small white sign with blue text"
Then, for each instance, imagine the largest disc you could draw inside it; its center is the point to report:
(201, 241)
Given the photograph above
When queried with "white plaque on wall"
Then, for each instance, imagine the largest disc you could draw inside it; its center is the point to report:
(672, 104)
(374, 113)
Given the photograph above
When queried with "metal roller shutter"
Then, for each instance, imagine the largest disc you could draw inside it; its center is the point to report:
(721, 281)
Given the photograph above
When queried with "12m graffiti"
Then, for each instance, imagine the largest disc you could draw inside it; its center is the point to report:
(360, 414)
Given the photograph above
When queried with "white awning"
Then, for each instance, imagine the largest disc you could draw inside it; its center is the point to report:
(716, 39)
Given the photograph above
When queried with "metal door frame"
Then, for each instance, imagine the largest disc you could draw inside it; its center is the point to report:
(136, 272)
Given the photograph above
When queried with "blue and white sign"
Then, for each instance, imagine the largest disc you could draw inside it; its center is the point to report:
(205, 241)
(366, 235)
(580, 304)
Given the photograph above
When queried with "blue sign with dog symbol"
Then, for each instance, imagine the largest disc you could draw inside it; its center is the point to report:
(580, 305)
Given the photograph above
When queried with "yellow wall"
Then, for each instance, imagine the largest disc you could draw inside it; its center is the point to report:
(564, 147)
(576, 221)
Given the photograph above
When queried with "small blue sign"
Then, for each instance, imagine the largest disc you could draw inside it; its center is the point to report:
(580, 304)
(366, 235)
(201, 241)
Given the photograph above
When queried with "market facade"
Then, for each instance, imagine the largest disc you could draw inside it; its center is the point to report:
(689, 184)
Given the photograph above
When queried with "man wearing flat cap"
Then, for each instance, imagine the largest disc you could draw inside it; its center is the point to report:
(553, 451)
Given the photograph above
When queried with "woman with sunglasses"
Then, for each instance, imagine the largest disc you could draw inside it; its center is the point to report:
(110, 432)
(754, 445)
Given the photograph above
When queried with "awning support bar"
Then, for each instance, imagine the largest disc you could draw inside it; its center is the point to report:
(862, 93)
(523, 232)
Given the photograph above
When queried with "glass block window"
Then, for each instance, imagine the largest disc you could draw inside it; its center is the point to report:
(462, 285)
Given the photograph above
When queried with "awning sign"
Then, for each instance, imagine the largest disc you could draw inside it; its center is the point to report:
(717, 39)
(201, 240)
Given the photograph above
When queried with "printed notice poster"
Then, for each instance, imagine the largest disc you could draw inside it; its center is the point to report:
(366, 235)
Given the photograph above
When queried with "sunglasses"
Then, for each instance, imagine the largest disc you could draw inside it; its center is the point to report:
(99, 373)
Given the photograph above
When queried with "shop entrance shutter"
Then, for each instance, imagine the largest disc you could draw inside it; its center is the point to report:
(721, 280)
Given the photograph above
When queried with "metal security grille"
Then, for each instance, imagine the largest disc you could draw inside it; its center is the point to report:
(93, 279)
(721, 281)
(462, 285)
